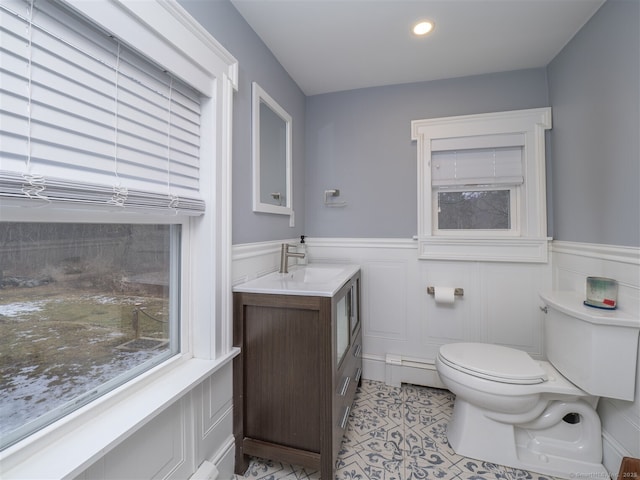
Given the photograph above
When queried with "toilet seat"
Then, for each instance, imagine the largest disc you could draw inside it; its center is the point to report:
(493, 362)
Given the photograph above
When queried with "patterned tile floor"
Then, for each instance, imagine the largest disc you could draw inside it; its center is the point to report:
(397, 434)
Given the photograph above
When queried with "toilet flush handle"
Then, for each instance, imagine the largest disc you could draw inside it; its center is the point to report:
(545, 309)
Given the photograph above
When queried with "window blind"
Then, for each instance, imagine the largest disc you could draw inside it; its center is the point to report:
(487, 166)
(478, 142)
(85, 120)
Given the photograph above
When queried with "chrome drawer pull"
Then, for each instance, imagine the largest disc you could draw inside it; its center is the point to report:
(345, 386)
(358, 374)
(358, 349)
(345, 417)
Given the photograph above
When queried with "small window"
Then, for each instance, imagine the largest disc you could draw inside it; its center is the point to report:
(476, 189)
(83, 309)
(481, 186)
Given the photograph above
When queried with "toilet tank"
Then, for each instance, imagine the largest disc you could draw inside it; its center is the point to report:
(595, 349)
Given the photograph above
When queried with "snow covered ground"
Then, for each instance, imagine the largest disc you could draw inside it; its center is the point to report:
(61, 346)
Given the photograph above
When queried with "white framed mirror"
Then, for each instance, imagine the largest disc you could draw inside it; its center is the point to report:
(271, 149)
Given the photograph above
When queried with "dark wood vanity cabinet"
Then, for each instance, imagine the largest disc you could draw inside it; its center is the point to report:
(296, 376)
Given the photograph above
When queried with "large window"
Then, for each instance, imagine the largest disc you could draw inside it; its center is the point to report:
(83, 309)
(91, 129)
(101, 108)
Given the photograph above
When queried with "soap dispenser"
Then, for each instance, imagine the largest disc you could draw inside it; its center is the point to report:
(302, 248)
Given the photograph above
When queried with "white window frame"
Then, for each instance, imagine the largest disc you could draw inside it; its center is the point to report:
(527, 241)
(165, 33)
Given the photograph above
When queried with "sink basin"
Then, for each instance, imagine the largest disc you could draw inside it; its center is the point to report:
(313, 274)
(322, 280)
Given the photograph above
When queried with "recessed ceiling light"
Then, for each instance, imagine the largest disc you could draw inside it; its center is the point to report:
(423, 27)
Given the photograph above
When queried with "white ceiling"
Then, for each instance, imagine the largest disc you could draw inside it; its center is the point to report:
(335, 45)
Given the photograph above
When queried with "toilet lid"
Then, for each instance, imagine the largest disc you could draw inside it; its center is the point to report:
(493, 362)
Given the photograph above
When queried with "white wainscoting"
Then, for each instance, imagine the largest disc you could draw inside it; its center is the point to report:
(572, 263)
(403, 326)
(253, 260)
(196, 428)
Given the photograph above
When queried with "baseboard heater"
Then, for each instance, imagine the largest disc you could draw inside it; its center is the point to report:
(399, 370)
(206, 471)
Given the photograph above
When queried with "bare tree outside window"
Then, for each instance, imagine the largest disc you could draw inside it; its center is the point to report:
(474, 210)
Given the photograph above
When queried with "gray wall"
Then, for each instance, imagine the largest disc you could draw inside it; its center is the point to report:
(594, 88)
(359, 141)
(256, 63)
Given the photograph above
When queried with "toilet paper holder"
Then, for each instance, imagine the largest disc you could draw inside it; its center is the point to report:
(458, 292)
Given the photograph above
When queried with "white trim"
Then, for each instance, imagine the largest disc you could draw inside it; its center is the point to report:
(164, 31)
(250, 250)
(531, 218)
(206, 471)
(400, 369)
(224, 246)
(244, 251)
(403, 243)
(253, 260)
(226, 450)
(614, 253)
(258, 97)
(504, 249)
(613, 453)
(154, 391)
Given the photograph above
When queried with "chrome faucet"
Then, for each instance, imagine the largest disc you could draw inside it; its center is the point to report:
(284, 257)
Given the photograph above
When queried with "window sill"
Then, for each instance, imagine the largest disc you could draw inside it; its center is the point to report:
(488, 249)
(141, 399)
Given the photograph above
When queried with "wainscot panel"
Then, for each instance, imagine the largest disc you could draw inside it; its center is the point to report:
(403, 326)
(194, 429)
(572, 264)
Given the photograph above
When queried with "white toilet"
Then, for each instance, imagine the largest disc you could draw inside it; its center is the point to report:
(540, 415)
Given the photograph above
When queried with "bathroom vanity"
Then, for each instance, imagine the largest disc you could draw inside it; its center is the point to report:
(300, 364)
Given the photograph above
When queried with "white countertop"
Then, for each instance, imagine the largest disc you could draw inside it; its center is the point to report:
(314, 279)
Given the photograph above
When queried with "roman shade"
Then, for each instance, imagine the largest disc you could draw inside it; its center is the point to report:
(87, 121)
(492, 159)
(486, 166)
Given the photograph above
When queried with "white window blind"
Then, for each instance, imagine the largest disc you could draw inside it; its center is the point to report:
(477, 142)
(487, 166)
(85, 120)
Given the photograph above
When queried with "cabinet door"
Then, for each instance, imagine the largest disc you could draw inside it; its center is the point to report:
(283, 371)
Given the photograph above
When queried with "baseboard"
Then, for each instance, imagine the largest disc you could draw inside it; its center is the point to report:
(224, 459)
(394, 370)
(206, 471)
(612, 454)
